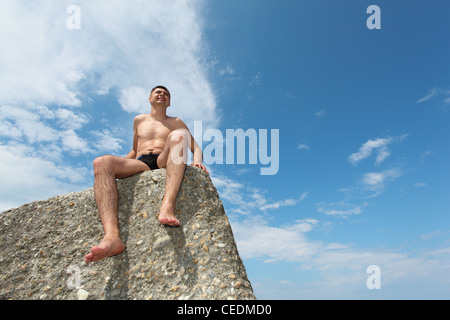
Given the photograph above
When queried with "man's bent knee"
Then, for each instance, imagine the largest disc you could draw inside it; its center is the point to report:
(101, 163)
(179, 135)
(180, 141)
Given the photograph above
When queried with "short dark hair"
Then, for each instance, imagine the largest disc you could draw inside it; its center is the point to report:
(160, 87)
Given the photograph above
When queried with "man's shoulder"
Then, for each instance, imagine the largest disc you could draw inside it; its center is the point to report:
(177, 122)
(175, 119)
(138, 120)
(140, 117)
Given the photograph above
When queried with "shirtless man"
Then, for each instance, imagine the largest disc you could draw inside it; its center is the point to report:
(159, 141)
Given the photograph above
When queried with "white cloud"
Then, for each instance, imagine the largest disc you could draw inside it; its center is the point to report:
(107, 142)
(379, 145)
(376, 180)
(347, 268)
(434, 92)
(256, 239)
(249, 199)
(34, 60)
(134, 99)
(27, 176)
(9, 130)
(226, 71)
(277, 205)
(420, 184)
(26, 124)
(255, 79)
(425, 156)
(303, 147)
(72, 142)
(431, 235)
(340, 208)
(230, 190)
(320, 113)
(70, 120)
(282, 203)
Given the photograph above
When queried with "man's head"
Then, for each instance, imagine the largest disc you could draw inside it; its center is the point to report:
(158, 91)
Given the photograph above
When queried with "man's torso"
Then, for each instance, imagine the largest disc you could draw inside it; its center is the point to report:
(152, 134)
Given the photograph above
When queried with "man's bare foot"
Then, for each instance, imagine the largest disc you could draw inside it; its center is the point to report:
(108, 247)
(167, 216)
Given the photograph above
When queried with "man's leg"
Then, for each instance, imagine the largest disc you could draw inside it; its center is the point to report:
(106, 170)
(173, 158)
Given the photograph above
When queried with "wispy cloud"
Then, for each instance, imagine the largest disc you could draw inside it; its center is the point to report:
(29, 125)
(27, 175)
(283, 203)
(230, 189)
(71, 141)
(249, 199)
(372, 184)
(228, 70)
(420, 184)
(435, 92)
(433, 234)
(256, 239)
(379, 145)
(303, 147)
(320, 113)
(107, 141)
(378, 179)
(132, 99)
(340, 208)
(255, 79)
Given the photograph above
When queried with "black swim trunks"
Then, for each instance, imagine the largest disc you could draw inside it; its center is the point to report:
(150, 160)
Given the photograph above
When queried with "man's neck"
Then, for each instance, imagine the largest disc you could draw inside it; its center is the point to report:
(158, 114)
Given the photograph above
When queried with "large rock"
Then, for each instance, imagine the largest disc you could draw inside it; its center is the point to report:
(43, 245)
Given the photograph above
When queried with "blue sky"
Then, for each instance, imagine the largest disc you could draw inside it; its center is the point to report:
(362, 117)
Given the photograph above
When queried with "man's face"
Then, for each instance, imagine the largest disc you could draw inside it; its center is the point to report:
(159, 96)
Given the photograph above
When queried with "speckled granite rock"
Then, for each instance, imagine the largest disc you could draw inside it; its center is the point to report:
(43, 245)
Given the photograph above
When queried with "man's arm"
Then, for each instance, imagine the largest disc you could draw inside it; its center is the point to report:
(133, 152)
(197, 158)
(197, 154)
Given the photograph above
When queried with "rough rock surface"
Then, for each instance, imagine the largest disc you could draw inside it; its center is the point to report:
(43, 245)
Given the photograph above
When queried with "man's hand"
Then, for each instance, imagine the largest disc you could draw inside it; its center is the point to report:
(201, 166)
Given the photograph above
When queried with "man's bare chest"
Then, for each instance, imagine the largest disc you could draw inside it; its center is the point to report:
(153, 130)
